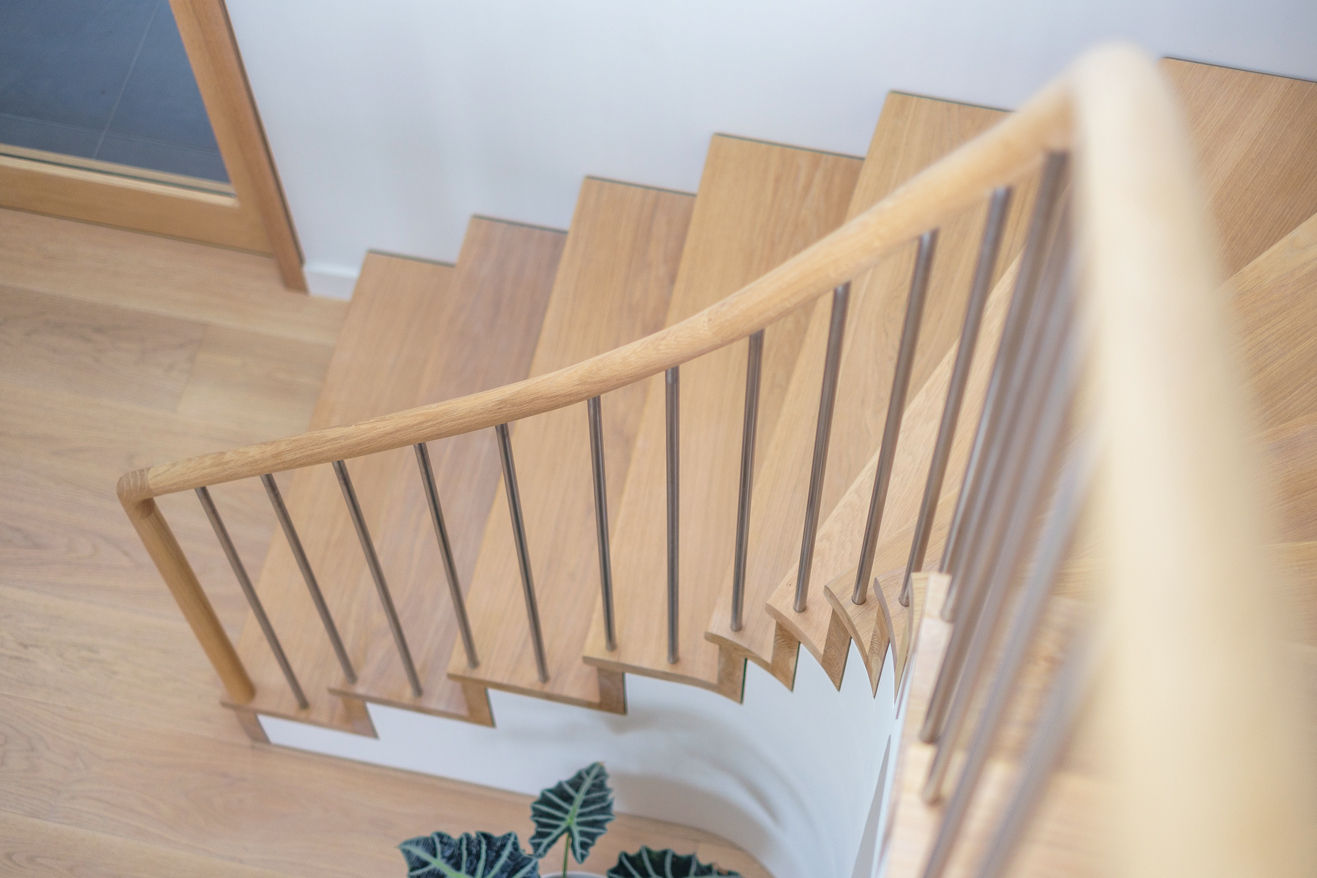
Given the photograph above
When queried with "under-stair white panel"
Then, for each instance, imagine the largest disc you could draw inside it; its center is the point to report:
(788, 776)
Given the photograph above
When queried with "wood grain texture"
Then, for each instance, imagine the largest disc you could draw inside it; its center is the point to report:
(238, 374)
(612, 287)
(758, 204)
(89, 263)
(1253, 135)
(912, 133)
(70, 447)
(1291, 451)
(39, 847)
(1274, 309)
(423, 340)
(116, 760)
(50, 343)
(1298, 565)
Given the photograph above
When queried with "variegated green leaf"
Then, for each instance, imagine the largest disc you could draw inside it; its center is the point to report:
(649, 863)
(579, 807)
(481, 855)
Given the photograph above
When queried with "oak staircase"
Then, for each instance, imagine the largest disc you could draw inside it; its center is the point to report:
(759, 485)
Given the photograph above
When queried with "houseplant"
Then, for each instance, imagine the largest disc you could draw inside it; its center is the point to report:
(577, 809)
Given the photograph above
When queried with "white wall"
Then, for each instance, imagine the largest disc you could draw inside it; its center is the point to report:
(393, 121)
(789, 776)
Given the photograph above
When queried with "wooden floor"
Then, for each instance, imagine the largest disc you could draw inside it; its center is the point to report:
(119, 350)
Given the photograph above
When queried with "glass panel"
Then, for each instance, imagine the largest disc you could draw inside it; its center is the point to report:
(84, 82)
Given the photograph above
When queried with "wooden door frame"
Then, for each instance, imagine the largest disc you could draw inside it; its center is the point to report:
(250, 214)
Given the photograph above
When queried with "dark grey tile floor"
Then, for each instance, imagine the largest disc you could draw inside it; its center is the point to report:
(103, 79)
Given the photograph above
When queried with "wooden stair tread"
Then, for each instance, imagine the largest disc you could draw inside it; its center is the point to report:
(1065, 838)
(380, 329)
(498, 297)
(911, 133)
(1298, 562)
(1276, 310)
(758, 204)
(881, 621)
(612, 287)
(1254, 133)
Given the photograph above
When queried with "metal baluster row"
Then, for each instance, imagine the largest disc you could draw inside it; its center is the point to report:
(1014, 333)
(313, 586)
(1038, 406)
(1019, 635)
(1021, 434)
(253, 600)
(989, 247)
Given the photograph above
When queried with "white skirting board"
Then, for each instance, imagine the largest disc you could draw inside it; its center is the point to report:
(788, 776)
(329, 281)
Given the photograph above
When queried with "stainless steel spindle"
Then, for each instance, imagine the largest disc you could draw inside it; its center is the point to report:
(905, 359)
(1070, 692)
(989, 247)
(1042, 400)
(754, 362)
(977, 551)
(997, 587)
(1062, 521)
(377, 573)
(253, 600)
(673, 411)
(308, 575)
(822, 434)
(1030, 267)
(446, 552)
(523, 553)
(593, 409)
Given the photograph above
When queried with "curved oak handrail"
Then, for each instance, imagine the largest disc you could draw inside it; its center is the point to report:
(955, 182)
(1202, 717)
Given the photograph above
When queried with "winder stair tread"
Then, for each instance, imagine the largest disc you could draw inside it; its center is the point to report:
(757, 205)
(912, 132)
(1253, 173)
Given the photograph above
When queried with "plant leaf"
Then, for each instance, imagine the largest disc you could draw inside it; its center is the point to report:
(579, 807)
(649, 863)
(481, 855)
